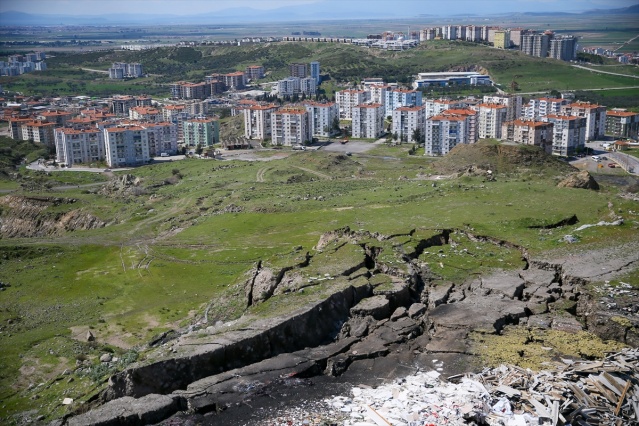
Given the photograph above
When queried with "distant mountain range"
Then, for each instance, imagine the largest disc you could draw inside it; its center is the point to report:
(305, 13)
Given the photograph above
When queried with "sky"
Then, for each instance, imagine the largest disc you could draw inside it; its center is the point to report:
(190, 7)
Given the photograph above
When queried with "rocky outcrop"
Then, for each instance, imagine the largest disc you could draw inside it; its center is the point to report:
(582, 180)
(367, 320)
(27, 217)
(123, 185)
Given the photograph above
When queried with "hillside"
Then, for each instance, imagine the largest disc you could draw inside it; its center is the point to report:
(340, 63)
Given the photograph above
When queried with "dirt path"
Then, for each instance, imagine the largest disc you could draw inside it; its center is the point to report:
(316, 173)
(604, 72)
(260, 174)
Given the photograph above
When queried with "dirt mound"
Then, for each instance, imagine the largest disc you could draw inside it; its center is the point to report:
(582, 180)
(502, 158)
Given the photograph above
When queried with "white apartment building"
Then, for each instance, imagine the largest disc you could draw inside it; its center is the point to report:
(378, 93)
(257, 121)
(512, 102)
(126, 146)
(315, 72)
(322, 117)
(446, 131)
(491, 118)
(368, 121)
(406, 120)
(347, 99)
(295, 86)
(433, 107)
(568, 134)
(145, 113)
(594, 114)
(291, 126)
(79, 146)
(396, 98)
(162, 138)
(538, 108)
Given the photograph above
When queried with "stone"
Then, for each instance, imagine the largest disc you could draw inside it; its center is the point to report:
(398, 313)
(90, 337)
(581, 180)
(416, 310)
(510, 284)
(106, 358)
(377, 306)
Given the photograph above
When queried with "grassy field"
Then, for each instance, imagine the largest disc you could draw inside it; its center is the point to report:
(173, 248)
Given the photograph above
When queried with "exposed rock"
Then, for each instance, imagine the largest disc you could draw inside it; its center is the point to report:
(90, 337)
(106, 358)
(398, 313)
(377, 306)
(582, 180)
(129, 411)
(416, 310)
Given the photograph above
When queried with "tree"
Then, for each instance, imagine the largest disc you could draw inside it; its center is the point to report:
(418, 137)
(335, 124)
(395, 137)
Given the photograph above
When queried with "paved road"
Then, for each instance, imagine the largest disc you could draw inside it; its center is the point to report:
(604, 72)
(94, 70)
(627, 162)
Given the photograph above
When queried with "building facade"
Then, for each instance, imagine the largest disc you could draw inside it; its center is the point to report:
(322, 118)
(622, 124)
(396, 98)
(74, 147)
(257, 121)
(368, 121)
(291, 126)
(568, 134)
(347, 99)
(595, 116)
(491, 118)
(202, 132)
(529, 132)
(406, 121)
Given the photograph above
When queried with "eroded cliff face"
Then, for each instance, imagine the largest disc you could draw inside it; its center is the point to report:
(27, 217)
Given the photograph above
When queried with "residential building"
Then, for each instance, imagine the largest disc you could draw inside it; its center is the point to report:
(433, 107)
(529, 132)
(396, 98)
(315, 72)
(15, 126)
(322, 118)
(145, 114)
(38, 131)
(291, 126)
(406, 121)
(491, 118)
(347, 99)
(254, 72)
(234, 80)
(513, 104)
(622, 124)
(292, 86)
(563, 48)
(535, 44)
(595, 117)
(377, 93)
(541, 107)
(83, 146)
(120, 70)
(203, 132)
(298, 70)
(515, 36)
(368, 121)
(162, 137)
(471, 129)
(176, 114)
(257, 121)
(120, 105)
(126, 146)
(58, 117)
(449, 32)
(445, 131)
(502, 39)
(187, 90)
(568, 134)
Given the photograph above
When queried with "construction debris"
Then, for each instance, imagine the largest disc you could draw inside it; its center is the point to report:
(568, 393)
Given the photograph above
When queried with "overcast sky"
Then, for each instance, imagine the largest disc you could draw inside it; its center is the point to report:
(190, 7)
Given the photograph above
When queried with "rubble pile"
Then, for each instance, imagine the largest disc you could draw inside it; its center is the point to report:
(583, 393)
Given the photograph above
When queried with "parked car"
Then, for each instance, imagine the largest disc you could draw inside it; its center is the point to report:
(596, 158)
(612, 165)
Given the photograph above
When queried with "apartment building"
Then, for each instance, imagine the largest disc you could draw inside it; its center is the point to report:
(162, 137)
(396, 98)
(322, 118)
(529, 132)
(38, 131)
(126, 146)
(568, 134)
(298, 70)
(472, 125)
(347, 99)
(535, 44)
(368, 121)
(406, 120)
(15, 126)
(291, 126)
(513, 104)
(595, 117)
(445, 131)
(433, 107)
(541, 107)
(234, 80)
(622, 124)
(120, 70)
(491, 117)
(84, 146)
(120, 105)
(502, 39)
(563, 48)
(377, 93)
(257, 121)
(315, 72)
(145, 113)
(202, 132)
(291, 86)
(254, 72)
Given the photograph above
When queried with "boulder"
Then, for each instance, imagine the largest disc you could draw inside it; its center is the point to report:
(90, 337)
(377, 306)
(582, 180)
(106, 358)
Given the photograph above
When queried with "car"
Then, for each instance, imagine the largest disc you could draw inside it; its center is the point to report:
(348, 153)
(107, 170)
(164, 154)
(612, 165)
(596, 158)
